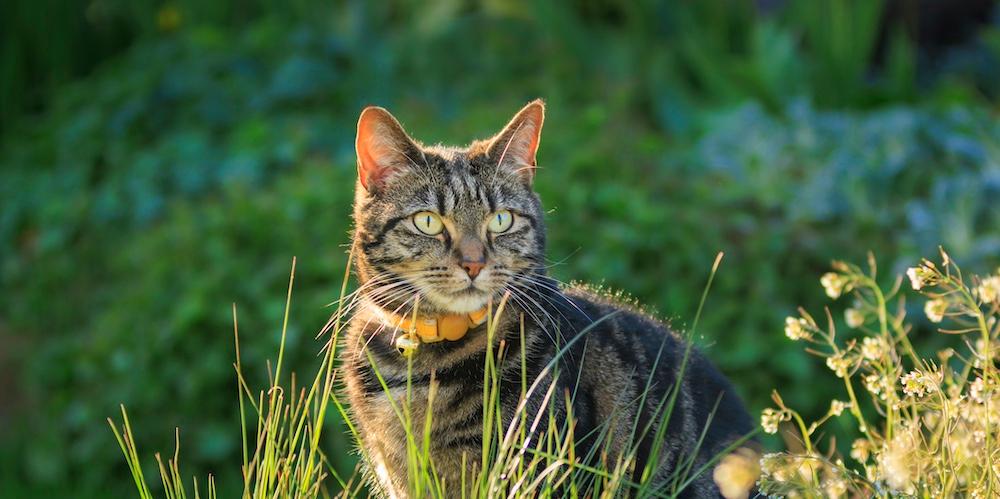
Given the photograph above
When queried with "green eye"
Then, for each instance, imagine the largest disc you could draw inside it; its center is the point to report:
(501, 221)
(428, 223)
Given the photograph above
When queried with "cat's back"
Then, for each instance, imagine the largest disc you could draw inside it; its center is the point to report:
(634, 360)
(614, 320)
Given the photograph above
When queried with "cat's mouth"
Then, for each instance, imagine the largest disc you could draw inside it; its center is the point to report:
(464, 300)
(470, 297)
(461, 295)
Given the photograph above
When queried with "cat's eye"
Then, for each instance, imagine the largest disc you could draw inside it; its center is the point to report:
(501, 221)
(428, 223)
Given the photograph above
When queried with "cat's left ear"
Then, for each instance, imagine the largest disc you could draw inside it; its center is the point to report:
(516, 145)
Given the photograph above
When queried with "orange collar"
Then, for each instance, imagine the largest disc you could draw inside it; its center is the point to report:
(416, 329)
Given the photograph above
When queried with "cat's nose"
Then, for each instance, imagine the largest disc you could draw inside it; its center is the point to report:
(472, 254)
(473, 268)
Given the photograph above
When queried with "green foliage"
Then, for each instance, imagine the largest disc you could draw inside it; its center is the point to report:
(671, 55)
(842, 36)
(143, 203)
(46, 44)
(782, 196)
(183, 175)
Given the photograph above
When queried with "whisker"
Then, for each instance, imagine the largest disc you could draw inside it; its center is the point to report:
(554, 263)
(346, 323)
(505, 147)
(537, 281)
(375, 288)
(540, 280)
(516, 295)
(357, 300)
(381, 327)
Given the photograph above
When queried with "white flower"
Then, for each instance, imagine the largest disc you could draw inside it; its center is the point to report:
(770, 418)
(979, 436)
(935, 309)
(854, 318)
(918, 384)
(911, 384)
(736, 473)
(834, 284)
(873, 348)
(916, 279)
(898, 464)
(921, 275)
(989, 289)
(835, 487)
(796, 329)
(860, 450)
(873, 383)
(976, 390)
(839, 364)
(837, 407)
(772, 465)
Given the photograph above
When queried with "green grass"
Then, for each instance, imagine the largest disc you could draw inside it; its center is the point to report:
(282, 425)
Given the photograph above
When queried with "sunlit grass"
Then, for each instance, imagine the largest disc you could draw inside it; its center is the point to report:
(282, 426)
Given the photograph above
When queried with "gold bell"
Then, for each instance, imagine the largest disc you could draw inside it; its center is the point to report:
(407, 345)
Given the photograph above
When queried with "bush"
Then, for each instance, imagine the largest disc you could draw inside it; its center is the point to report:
(782, 196)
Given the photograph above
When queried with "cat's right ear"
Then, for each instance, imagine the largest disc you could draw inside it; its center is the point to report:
(515, 146)
(383, 147)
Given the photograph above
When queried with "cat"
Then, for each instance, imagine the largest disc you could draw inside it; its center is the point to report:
(449, 232)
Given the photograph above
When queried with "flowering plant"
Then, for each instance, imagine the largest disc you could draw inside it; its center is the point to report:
(929, 426)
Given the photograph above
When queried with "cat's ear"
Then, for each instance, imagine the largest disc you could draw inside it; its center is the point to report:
(384, 149)
(516, 145)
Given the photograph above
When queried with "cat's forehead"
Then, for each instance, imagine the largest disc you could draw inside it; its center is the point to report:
(452, 180)
(451, 160)
(445, 154)
(453, 168)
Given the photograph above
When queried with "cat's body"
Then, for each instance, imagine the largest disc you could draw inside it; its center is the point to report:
(484, 239)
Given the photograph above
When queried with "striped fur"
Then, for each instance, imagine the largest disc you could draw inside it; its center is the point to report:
(607, 352)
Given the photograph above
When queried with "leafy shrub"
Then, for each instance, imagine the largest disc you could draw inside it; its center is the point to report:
(782, 196)
(142, 200)
(674, 56)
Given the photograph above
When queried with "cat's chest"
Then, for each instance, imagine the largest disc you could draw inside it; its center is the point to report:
(396, 399)
(396, 418)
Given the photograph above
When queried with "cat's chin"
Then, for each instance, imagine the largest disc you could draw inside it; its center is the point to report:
(463, 302)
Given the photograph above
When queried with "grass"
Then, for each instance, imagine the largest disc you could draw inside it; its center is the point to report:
(282, 428)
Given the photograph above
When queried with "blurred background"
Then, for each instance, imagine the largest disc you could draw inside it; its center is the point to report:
(162, 160)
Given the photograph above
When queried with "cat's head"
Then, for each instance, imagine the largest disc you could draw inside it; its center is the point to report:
(456, 226)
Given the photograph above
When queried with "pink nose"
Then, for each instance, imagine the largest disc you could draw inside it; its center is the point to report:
(472, 268)
(472, 254)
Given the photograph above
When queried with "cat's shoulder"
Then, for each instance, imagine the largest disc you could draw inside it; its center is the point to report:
(623, 318)
(610, 300)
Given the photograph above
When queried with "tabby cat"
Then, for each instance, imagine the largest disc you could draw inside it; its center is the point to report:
(441, 235)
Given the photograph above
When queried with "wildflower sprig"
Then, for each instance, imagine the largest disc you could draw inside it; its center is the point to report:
(937, 422)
